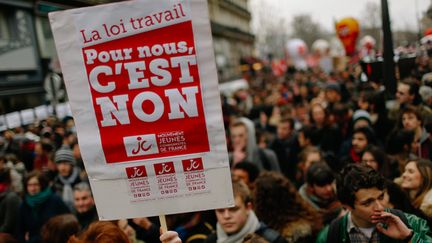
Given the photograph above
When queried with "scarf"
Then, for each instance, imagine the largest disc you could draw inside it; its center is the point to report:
(252, 224)
(67, 194)
(34, 201)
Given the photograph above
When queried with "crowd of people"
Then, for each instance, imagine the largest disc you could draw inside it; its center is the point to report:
(314, 156)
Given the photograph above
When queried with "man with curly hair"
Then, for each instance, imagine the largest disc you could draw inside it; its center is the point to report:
(361, 190)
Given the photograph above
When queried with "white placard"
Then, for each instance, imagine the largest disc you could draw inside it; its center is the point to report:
(41, 112)
(62, 110)
(27, 116)
(142, 85)
(13, 119)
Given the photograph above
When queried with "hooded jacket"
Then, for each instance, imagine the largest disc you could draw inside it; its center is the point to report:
(264, 159)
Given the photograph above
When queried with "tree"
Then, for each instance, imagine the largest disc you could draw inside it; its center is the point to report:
(370, 22)
(305, 28)
(270, 33)
(371, 16)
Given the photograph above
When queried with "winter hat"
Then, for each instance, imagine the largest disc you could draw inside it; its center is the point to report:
(361, 114)
(333, 86)
(64, 154)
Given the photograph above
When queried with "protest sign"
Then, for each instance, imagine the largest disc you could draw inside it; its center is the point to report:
(27, 116)
(142, 85)
(41, 112)
(13, 119)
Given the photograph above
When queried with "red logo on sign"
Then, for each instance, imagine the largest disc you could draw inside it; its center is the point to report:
(194, 164)
(164, 168)
(136, 172)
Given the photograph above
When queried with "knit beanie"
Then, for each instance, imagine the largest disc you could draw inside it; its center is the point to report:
(361, 114)
(64, 154)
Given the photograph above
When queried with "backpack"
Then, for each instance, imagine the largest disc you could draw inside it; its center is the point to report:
(333, 234)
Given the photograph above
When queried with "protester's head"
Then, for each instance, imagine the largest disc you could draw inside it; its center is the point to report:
(398, 198)
(254, 238)
(362, 137)
(361, 190)
(247, 172)
(333, 92)
(302, 114)
(35, 182)
(364, 98)
(401, 141)
(232, 220)
(426, 94)
(361, 118)
(101, 232)
(309, 156)
(410, 118)
(376, 158)
(44, 146)
(239, 135)
(83, 198)
(59, 228)
(285, 128)
(320, 180)
(278, 203)
(417, 178)
(65, 161)
(407, 92)
(318, 115)
(124, 225)
(306, 136)
(355, 177)
(427, 79)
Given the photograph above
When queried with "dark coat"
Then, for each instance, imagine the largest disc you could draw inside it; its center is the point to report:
(85, 219)
(9, 206)
(31, 221)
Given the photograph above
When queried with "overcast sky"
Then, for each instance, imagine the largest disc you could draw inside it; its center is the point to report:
(403, 13)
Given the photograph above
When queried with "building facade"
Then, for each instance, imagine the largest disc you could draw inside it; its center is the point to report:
(27, 48)
(232, 38)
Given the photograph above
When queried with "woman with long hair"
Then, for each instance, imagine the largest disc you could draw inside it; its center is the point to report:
(377, 158)
(328, 135)
(417, 182)
(280, 206)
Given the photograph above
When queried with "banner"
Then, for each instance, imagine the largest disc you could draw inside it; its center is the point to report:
(142, 86)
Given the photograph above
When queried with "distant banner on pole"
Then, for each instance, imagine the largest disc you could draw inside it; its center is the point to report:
(142, 86)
